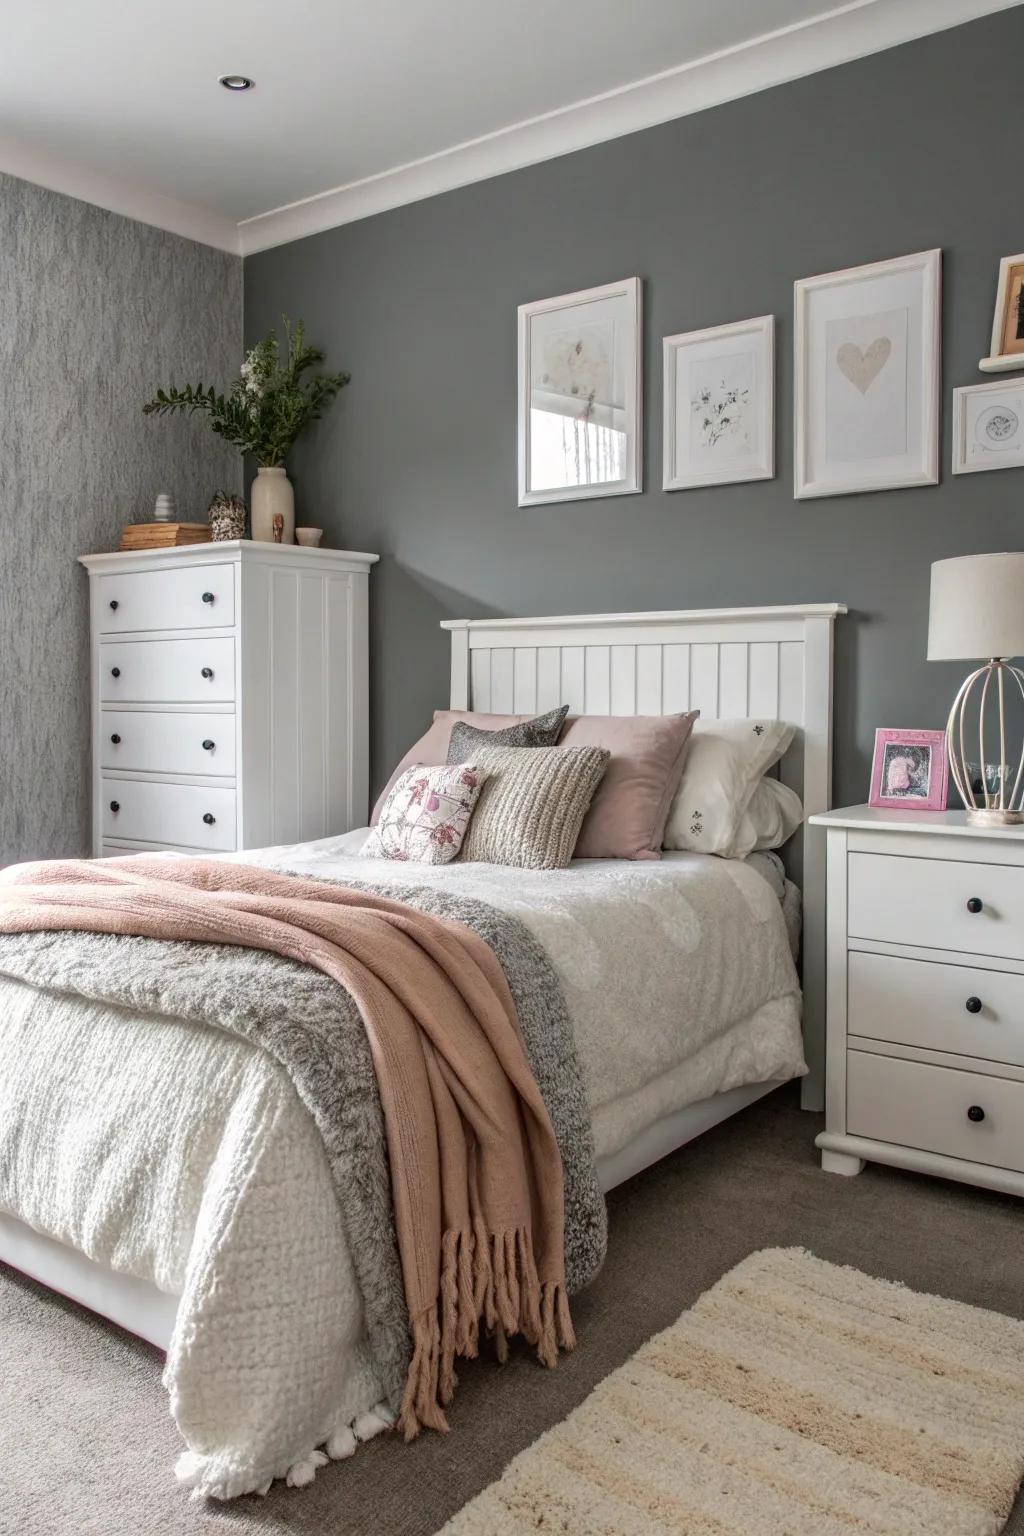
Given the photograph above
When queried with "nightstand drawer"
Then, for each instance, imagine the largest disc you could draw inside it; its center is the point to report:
(936, 1109)
(937, 904)
(955, 1008)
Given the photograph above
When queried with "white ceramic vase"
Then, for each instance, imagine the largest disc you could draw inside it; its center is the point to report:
(272, 497)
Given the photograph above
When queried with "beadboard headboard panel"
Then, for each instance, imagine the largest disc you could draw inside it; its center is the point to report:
(729, 663)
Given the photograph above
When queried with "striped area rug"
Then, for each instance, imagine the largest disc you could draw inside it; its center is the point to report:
(795, 1399)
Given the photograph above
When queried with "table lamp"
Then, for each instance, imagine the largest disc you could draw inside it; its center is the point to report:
(977, 611)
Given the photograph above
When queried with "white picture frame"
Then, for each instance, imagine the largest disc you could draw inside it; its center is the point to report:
(580, 427)
(719, 405)
(867, 377)
(988, 427)
(1005, 353)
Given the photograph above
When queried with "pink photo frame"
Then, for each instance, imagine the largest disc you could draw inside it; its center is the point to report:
(910, 771)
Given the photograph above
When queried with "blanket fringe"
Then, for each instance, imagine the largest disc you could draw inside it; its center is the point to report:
(489, 1277)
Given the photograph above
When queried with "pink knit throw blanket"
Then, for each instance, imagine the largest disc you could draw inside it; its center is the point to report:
(476, 1175)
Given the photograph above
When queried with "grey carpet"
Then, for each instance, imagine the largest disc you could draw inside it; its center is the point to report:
(86, 1443)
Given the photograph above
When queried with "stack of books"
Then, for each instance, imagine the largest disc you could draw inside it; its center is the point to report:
(163, 535)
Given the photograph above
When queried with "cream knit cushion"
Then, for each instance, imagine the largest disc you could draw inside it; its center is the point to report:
(532, 806)
(794, 1399)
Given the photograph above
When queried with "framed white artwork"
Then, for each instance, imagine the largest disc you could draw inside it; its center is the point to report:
(988, 427)
(719, 405)
(867, 377)
(580, 395)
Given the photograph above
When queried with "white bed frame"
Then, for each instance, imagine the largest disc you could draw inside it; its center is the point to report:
(775, 663)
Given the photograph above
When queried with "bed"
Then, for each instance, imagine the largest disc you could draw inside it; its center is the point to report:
(720, 996)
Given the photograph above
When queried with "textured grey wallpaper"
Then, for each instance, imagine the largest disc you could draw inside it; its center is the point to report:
(718, 213)
(96, 311)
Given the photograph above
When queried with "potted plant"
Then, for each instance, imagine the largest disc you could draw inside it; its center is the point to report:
(264, 411)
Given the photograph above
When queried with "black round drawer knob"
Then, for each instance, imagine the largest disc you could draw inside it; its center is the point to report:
(207, 597)
(976, 1113)
(116, 739)
(973, 1005)
(115, 671)
(209, 819)
(974, 903)
(207, 672)
(115, 805)
(208, 745)
(113, 604)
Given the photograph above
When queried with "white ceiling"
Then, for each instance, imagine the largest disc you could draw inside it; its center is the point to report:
(363, 104)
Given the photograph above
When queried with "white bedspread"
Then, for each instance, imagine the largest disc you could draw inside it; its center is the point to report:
(172, 1152)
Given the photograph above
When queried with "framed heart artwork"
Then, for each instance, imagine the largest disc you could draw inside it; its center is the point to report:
(867, 377)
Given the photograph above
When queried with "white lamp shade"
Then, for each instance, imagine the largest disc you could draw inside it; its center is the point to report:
(977, 608)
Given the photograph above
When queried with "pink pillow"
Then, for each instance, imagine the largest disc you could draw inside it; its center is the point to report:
(627, 815)
(432, 748)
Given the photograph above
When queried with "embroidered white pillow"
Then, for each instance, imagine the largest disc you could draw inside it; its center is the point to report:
(723, 768)
(426, 814)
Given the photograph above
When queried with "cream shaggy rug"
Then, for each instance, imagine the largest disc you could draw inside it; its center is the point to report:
(794, 1399)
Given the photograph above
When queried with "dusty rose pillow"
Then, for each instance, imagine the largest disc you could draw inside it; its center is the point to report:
(425, 816)
(627, 815)
(432, 747)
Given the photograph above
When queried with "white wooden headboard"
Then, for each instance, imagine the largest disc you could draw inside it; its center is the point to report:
(727, 662)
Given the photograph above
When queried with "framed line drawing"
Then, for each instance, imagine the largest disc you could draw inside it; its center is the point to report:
(580, 395)
(988, 426)
(868, 377)
(719, 405)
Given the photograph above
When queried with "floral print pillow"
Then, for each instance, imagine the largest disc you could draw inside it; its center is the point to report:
(426, 815)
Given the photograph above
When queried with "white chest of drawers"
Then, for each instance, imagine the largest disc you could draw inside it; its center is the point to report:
(925, 1048)
(229, 696)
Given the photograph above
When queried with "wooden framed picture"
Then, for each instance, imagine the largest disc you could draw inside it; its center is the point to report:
(1007, 345)
(580, 395)
(719, 405)
(988, 426)
(910, 770)
(867, 377)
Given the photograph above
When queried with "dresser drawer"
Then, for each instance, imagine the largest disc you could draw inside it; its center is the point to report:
(925, 902)
(167, 671)
(172, 815)
(197, 597)
(923, 1003)
(158, 743)
(916, 1105)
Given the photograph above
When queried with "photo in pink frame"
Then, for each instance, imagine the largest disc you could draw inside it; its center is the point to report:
(910, 771)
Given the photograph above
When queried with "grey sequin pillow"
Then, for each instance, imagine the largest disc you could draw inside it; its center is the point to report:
(541, 731)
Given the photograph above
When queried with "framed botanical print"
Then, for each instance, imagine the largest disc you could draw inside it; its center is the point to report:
(580, 395)
(867, 377)
(988, 427)
(719, 405)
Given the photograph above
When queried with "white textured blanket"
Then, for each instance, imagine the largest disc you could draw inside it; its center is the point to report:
(183, 1155)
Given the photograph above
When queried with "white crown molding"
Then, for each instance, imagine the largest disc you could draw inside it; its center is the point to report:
(848, 32)
(123, 197)
(837, 36)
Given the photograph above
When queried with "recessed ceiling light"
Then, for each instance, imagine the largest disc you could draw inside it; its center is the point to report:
(236, 82)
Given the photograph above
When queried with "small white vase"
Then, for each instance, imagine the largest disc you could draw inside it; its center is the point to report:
(272, 497)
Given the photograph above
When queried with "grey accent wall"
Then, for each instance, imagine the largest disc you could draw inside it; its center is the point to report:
(917, 147)
(96, 312)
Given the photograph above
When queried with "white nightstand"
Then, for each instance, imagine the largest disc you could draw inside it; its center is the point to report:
(925, 1034)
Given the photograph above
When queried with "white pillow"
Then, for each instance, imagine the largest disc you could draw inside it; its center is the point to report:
(724, 765)
(775, 812)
